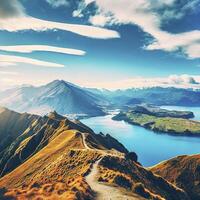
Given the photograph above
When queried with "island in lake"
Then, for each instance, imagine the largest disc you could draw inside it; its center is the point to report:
(161, 120)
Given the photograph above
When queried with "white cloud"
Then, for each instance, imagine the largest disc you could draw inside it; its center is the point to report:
(57, 3)
(21, 21)
(182, 79)
(193, 51)
(30, 23)
(8, 73)
(6, 64)
(149, 15)
(179, 81)
(98, 20)
(25, 60)
(31, 48)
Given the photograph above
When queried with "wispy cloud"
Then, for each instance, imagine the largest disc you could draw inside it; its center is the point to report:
(30, 23)
(7, 64)
(149, 16)
(193, 51)
(179, 81)
(17, 59)
(8, 73)
(32, 48)
(57, 3)
(17, 20)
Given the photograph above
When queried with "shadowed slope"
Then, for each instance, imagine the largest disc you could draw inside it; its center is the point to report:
(183, 171)
(12, 124)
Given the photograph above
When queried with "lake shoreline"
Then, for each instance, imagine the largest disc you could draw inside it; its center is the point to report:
(151, 147)
(187, 134)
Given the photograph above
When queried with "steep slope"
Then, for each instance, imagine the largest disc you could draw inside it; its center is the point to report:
(12, 124)
(31, 137)
(58, 95)
(183, 171)
(53, 156)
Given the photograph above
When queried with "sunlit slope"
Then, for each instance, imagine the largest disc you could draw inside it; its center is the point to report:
(29, 138)
(183, 171)
(59, 168)
(53, 156)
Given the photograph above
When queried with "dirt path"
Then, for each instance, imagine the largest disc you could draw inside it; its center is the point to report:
(84, 141)
(105, 192)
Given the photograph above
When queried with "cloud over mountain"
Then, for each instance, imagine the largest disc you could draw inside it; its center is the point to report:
(178, 81)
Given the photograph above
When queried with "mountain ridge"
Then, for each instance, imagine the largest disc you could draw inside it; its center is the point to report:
(56, 154)
(69, 99)
(65, 98)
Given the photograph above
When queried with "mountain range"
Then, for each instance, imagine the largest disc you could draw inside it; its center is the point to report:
(67, 98)
(61, 96)
(52, 157)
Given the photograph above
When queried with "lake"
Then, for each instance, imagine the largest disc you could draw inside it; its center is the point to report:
(150, 147)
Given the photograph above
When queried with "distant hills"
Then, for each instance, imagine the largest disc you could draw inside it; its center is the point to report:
(51, 157)
(154, 95)
(67, 98)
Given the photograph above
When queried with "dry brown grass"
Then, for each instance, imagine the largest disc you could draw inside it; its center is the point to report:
(183, 171)
(56, 171)
(127, 174)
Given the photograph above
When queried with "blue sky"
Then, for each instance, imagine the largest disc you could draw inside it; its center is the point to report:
(119, 43)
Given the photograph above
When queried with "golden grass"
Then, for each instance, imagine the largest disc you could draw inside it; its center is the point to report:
(56, 170)
(183, 171)
(128, 174)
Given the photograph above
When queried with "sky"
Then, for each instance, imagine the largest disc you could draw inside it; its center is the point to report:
(100, 43)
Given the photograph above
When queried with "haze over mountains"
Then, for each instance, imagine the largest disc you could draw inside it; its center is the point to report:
(67, 98)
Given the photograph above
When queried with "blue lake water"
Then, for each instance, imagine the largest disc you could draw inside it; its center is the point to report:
(151, 147)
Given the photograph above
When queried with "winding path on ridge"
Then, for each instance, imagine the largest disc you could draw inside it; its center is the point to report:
(84, 142)
(104, 192)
